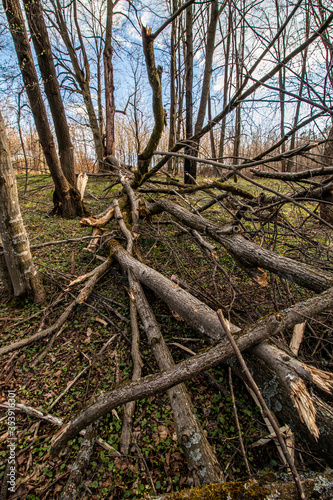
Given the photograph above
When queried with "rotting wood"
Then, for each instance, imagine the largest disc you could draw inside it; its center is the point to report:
(99, 221)
(286, 382)
(81, 183)
(297, 337)
(263, 404)
(17, 268)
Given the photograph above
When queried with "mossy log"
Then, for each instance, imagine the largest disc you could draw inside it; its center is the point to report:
(265, 487)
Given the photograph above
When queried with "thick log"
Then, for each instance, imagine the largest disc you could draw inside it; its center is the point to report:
(153, 384)
(197, 450)
(249, 254)
(286, 392)
(197, 314)
(284, 382)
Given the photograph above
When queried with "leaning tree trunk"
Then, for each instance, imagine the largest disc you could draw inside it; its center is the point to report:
(67, 200)
(18, 269)
(40, 38)
(155, 81)
(210, 47)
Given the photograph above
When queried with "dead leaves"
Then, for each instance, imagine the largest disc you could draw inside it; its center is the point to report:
(261, 278)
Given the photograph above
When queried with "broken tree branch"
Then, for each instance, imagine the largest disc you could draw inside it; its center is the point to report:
(263, 404)
(152, 384)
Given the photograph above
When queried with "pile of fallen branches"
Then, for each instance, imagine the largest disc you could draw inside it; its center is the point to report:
(299, 395)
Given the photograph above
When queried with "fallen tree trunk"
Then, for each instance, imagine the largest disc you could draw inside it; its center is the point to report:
(284, 382)
(249, 254)
(197, 450)
(197, 314)
(80, 465)
(286, 390)
(153, 384)
(266, 487)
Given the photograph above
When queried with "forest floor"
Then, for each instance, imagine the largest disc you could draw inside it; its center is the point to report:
(155, 463)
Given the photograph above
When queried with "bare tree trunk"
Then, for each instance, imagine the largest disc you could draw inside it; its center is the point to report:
(109, 85)
(239, 48)
(173, 99)
(190, 170)
(289, 167)
(282, 80)
(210, 46)
(211, 132)
(67, 200)
(326, 210)
(226, 81)
(155, 81)
(40, 38)
(81, 74)
(17, 266)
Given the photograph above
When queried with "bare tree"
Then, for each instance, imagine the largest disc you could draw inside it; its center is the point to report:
(17, 269)
(67, 199)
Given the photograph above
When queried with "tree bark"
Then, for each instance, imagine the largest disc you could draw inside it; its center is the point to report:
(82, 76)
(326, 210)
(226, 81)
(155, 81)
(40, 38)
(109, 84)
(81, 464)
(173, 97)
(190, 169)
(153, 384)
(248, 254)
(18, 270)
(67, 201)
(191, 437)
